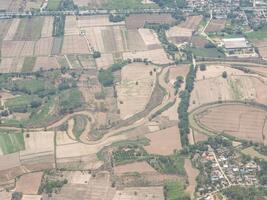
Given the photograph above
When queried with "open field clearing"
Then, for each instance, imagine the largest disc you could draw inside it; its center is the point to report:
(171, 113)
(29, 183)
(105, 61)
(262, 47)
(134, 41)
(96, 20)
(140, 167)
(33, 4)
(199, 137)
(29, 29)
(47, 29)
(12, 48)
(260, 70)
(39, 148)
(43, 46)
(253, 153)
(192, 174)
(57, 45)
(216, 25)
(11, 65)
(138, 193)
(138, 20)
(164, 142)
(31, 197)
(150, 38)
(9, 161)
(90, 3)
(191, 22)
(46, 63)
(179, 34)
(71, 27)
(198, 41)
(4, 27)
(135, 88)
(53, 4)
(74, 44)
(95, 38)
(77, 177)
(4, 4)
(12, 29)
(11, 142)
(27, 49)
(157, 56)
(237, 120)
(178, 70)
(5, 195)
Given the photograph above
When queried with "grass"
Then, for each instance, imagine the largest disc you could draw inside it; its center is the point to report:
(175, 191)
(207, 52)
(74, 61)
(128, 4)
(80, 122)
(257, 35)
(30, 86)
(253, 153)
(69, 100)
(20, 101)
(53, 4)
(11, 142)
(237, 94)
(28, 64)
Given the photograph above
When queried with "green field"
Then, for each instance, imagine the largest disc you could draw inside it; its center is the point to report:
(80, 122)
(175, 191)
(28, 64)
(253, 153)
(11, 142)
(257, 35)
(30, 86)
(207, 52)
(20, 101)
(53, 4)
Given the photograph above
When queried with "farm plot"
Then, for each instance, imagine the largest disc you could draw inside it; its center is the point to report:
(216, 25)
(178, 70)
(164, 142)
(47, 29)
(134, 40)
(191, 22)
(105, 61)
(138, 193)
(27, 49)
(11, 65)
(29, 183)
(192, 174)
(75, 44)
(150, 38)
(199, 41)
(4, 27)
(140, 167)
(71, 26)
(262, 47)
(157, 56)
(29, 29)
(46, 63)
(12, 48)
(39, 148)
(9, 161)
(96, 20)
(33, 5)
(178, 34)
(12, 29)
(135, 88)
(136, 21)
(11, 142)
(5, 4)
(43, 46)
(90, 3)
(237, 120)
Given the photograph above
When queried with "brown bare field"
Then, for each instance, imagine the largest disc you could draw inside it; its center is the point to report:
(178, 70)
(27, 49)
(43, 46)
(33, 4)
(199, 137)
(71, 27)
(140, 167)
(135, 88)
(4, 4)
(139, 193)
(157, 56)
(164, 142)
(216, 25)
(94, 36)
(12, 29)
(191, 22)
(241, 121)
(150, 38)
(46, 63)
(75, 44)
(134, 41)
(9, 161)
(47, 30)
(12, 48)
(138, 20)
(96, 20)
(262, 47)
(29, 183)
(4, 195)
(4, 27)
(192, 174)
(11, 65)
(199, 41)
(31, 197)
(179, 34)
(105, 61)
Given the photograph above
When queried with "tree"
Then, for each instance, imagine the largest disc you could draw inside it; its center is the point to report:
(96, 54)
(202, 67)
(224, 74)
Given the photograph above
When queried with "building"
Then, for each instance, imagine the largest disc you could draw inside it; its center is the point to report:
(235, 43)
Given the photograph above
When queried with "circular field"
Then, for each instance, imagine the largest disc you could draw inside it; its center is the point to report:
(240, 120)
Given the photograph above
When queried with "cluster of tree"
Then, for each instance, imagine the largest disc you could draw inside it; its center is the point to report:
(67, 5)
(178, 16)
(184, 104)
(178, 82)
(50, 186)
(105, 76)
(202, 67)
(58, 26)
(116, 18)
(262, 174)
(96, 54)
(245, 193)
(171, 3)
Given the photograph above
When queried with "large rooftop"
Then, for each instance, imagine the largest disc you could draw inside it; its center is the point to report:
(233, 43)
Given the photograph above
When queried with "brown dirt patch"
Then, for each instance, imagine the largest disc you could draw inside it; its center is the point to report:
(46, 63)
(43, 46)
(192, 174)
(191, 22)
(140, 167)
(164, 142)
(105, 61)
(216, 25)
(29, 183)
(74, 44)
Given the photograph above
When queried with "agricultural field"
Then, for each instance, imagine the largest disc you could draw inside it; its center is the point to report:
(216, 25)
(191, 22)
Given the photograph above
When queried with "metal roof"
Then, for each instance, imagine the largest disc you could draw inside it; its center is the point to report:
(234, 43)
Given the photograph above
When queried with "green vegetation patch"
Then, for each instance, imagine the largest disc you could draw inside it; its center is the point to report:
(80, 122)
(28, 64)
(250, 151)
(20, 102)
(257, 35)
(175, 191)
(29, 86)
(53, 4)
(58, 26)
(11, 142)
(70, 100)
(207, 52)
(128, 4)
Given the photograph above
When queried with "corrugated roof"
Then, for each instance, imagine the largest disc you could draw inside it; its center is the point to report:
(234, 43)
